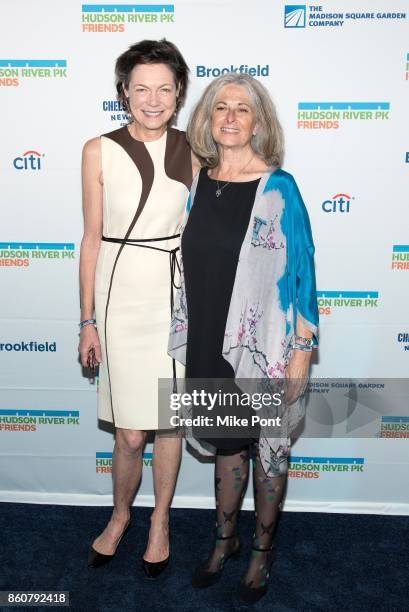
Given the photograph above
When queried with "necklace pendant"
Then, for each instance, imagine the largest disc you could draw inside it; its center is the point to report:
(218, 192)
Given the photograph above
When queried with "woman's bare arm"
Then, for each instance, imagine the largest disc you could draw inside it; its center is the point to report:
(91, 241)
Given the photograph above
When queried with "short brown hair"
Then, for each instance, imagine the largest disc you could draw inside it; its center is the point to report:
(268, 141)
(152, 52)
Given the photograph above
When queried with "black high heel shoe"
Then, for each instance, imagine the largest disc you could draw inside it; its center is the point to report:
(96, 559)
(203, 578)
(153, 569)
(249, 594)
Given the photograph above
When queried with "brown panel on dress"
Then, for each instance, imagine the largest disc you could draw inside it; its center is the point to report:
(178, 161)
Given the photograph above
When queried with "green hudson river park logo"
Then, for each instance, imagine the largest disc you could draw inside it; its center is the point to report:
(116, 17)
(313, 467)
(29, 420)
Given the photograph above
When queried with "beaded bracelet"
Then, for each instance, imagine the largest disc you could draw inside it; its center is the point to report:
(87, 322)
(302, 347)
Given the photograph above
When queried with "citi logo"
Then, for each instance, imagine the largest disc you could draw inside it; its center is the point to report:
(340, 202)
(30, 160)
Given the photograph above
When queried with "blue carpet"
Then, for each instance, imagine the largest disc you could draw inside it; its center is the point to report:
(324, 562)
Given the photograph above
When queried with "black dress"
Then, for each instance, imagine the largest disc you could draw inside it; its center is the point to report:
(211, 244)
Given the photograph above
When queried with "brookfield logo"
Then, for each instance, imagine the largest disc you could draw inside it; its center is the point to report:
(312, 467)
(330, 115)
(339, 203)
(30, 160)
(29, 346)
(316, 16)
(13, 70)
(103, 462)
(400, 257)
(215, 71)
(328, 300)
(28, 420)
(115, 17)
(20, 254)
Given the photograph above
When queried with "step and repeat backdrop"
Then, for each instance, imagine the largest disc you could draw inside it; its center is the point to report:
(339, 75)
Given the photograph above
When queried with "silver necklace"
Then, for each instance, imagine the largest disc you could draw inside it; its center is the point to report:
(220, 189)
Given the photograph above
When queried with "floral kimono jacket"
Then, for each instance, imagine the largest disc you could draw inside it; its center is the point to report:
(274, 284)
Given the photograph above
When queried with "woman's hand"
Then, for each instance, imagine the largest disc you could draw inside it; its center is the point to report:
(89, 339)
(297, 375)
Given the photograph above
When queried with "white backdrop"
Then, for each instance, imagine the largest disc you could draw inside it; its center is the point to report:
(339, 75)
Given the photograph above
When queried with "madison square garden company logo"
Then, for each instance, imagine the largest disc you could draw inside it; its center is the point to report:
(13, 72)
(400, 257)
(103, 462)
(331, 115)
(328, 301)
(116, 17)
(313, 467)
(318, 16)
(22, 254)
(31, 420)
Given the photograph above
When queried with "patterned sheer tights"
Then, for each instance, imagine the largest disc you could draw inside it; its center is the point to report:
(231, 477)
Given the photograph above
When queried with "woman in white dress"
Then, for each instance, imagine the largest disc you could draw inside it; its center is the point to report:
(135, 184)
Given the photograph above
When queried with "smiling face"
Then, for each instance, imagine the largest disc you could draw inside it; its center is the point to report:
(152, 96)
(233, 117)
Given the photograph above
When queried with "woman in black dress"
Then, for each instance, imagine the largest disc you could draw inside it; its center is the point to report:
(235, 132)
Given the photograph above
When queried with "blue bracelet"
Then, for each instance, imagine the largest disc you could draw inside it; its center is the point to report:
(87, 322)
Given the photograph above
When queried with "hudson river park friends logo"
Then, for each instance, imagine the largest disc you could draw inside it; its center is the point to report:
(117, 17)
(22, 420)
(328, 301)
(103, 461)
(332, 115)
(13, 72)
(314, 467)
(400, 257)
(21, 254)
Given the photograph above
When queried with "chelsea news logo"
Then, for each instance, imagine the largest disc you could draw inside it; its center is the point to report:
(316, 16)
(115, 17)
(14, 71)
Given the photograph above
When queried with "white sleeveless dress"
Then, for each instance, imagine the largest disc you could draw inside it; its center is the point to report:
(144, 195)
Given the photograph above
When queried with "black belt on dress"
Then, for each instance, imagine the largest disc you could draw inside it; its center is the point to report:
(173, 264)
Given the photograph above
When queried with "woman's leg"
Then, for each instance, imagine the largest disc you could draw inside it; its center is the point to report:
(268, 494)
(231, 475)
(126, 474)
(167, 452)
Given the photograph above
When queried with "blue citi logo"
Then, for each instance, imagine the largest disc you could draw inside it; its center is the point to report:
(30, 160)
(339, 203)
(295, 15)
